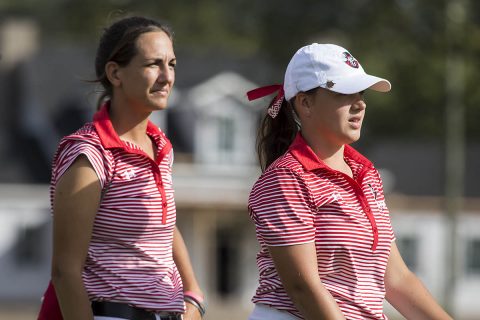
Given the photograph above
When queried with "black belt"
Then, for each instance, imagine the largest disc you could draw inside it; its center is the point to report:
(123, 310)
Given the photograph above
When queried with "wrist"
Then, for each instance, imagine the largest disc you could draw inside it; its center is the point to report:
(197, 300)
(195, 295)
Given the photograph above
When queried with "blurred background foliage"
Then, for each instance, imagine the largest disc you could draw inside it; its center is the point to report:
(402, 40)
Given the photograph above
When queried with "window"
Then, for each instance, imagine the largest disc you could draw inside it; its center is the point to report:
(408, 247)
(228, 262)
(225, 134)
(473, 256)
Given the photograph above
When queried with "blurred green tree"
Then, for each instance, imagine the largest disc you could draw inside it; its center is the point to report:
(402, 40)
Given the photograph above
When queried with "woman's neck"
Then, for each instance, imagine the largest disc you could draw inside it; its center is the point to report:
(129, 124)
(331, 154)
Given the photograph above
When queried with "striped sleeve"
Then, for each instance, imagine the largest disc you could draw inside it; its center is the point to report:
(280, 206)
(69, 150)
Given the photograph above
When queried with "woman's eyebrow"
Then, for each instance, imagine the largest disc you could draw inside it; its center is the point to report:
(159, 60)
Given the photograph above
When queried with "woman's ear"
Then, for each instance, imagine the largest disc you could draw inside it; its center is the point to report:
(111, 71)
(303, 104)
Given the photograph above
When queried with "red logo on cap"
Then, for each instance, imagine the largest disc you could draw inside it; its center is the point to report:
(350, 60)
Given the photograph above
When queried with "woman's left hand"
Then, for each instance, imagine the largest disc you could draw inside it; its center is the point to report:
(192, 313)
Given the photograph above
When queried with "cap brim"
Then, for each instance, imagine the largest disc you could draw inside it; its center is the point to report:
(361, 82)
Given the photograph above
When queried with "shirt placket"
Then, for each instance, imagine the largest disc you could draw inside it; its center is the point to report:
(155, 167)
(360, 195)
(159, 182)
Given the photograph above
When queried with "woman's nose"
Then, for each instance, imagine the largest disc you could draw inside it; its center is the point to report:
(167, 74)
(359, 102)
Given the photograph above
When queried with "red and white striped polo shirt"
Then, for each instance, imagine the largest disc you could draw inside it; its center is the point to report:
(299, 199)
(130, 254)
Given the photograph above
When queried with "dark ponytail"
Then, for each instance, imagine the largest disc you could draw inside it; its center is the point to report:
(276, 134)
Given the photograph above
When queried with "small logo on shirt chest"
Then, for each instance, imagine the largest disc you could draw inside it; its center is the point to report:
(380, 203)
(336, 196)
(129, 174)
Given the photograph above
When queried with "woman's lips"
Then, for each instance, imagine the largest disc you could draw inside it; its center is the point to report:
(161, 92)
(355, 122)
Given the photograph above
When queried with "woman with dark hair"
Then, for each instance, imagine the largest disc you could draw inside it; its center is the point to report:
(117, 253)
(327, 246)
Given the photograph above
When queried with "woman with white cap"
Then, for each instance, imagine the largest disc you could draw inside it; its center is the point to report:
(327, 246)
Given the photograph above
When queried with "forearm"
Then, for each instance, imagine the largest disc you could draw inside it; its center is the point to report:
(297, 267)
(410, 297)
(314, 302)
(71, 295)
(184, 266)
(406, 293)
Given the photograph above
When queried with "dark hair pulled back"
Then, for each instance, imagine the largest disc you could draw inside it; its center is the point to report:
(118, 44)
(276, 134)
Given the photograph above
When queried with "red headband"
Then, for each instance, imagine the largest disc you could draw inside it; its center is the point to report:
(265, 91)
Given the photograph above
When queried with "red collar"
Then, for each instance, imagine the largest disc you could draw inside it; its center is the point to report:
(108, 137)
(309, 160)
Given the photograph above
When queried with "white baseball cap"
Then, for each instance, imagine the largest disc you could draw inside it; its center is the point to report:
(331, 67)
